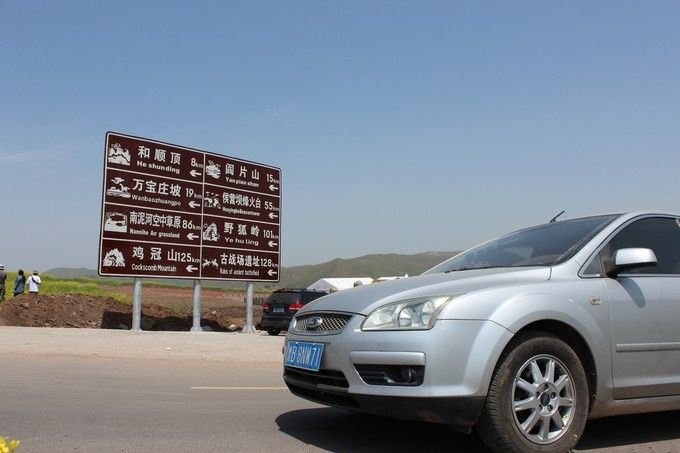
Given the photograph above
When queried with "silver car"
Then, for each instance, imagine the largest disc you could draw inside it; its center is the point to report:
(524, 337)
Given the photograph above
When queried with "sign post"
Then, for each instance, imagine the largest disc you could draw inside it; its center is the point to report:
(196, 323)
(249, 327)
(174, 212)
(137, 305)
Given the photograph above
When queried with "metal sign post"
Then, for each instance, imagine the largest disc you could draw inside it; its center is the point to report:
(137, 305)
(249, 328)
(196, 326)
(174, 212)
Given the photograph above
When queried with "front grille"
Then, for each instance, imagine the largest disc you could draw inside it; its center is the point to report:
(331, 323)
(324, 377)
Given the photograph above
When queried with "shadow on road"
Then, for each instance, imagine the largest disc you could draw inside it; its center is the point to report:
(631, 429)
(340, 431)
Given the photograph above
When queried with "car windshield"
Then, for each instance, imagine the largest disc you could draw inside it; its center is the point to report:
(285, 297)
(543, 245)
(310, 296)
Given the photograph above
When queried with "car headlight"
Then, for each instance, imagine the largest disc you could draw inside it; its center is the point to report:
(414, 314)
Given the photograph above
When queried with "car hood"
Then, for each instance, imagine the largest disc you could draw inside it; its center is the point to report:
(364, 299)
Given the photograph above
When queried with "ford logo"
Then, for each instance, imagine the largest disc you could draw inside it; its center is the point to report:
(313, 322)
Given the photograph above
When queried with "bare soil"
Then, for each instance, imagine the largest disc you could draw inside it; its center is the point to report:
(162, 309)
(183, 298)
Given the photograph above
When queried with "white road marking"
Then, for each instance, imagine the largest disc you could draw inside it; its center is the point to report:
(239, 388)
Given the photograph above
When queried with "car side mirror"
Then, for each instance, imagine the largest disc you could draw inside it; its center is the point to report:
(632, 258)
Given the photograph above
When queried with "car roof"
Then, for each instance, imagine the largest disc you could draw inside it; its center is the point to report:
(297, 290)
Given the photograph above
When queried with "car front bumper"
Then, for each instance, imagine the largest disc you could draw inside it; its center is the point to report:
(457, 357)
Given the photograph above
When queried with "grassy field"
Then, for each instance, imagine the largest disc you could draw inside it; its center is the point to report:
(56, 286)
(120, 289)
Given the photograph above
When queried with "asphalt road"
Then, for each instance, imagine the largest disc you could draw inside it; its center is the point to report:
(70, 403)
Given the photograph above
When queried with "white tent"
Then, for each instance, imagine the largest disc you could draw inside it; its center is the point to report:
(338, 284)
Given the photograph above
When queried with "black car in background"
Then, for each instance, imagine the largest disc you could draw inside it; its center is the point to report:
(280, 307)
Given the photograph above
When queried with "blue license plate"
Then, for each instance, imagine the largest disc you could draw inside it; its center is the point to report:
(304, 355)
(278, 310)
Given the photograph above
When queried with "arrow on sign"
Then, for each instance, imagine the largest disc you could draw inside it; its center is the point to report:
(272, 244)
(193, 204)
(192, 236)
(191, 268)
(195, 173)
(272, 272)
(273, 188)
(272, 216)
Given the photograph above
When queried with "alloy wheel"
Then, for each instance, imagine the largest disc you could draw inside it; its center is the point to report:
(543, 399)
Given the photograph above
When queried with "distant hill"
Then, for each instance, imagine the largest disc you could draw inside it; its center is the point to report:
(72, 272)
(377, 265)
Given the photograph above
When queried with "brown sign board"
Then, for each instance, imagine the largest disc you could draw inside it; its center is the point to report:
(175, 212)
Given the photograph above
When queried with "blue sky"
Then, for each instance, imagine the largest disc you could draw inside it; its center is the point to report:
(399, 126)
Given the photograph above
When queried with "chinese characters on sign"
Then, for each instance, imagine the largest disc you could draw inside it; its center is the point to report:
(169, 211)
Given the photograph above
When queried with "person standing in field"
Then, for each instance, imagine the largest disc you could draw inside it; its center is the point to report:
(3, 278)
(34, 283)
(19, 283)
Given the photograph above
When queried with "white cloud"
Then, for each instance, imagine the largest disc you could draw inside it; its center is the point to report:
(59, 152)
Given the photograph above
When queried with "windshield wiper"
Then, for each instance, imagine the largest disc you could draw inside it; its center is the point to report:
(472, 268)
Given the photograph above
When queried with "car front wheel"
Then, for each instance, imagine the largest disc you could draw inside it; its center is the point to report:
(538, 398)
(273, 331)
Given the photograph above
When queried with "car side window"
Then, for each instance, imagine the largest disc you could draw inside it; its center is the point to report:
(596, 267)
(662, 235)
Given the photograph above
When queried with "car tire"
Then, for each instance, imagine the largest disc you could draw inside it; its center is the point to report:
(273, 331)
(538, 399)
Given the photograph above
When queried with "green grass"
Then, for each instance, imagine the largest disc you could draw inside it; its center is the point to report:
(54, 286)
(147, 282)
(61, 287)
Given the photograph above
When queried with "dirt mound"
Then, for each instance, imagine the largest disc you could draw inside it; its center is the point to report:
(106, 313)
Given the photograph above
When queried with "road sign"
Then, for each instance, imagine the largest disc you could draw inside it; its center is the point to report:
(175, 212)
